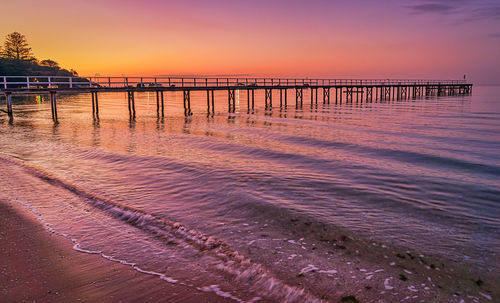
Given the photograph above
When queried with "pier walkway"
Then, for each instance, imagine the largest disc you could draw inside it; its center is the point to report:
(331, 90)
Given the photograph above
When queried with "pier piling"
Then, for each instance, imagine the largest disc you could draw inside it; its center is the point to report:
(213, 102)
(326, 95)
(53, 105)
(158, 103)
(298, 96)
(95, 103)
(131, 104)
(187, 102)
(269, 98)
(8, 97)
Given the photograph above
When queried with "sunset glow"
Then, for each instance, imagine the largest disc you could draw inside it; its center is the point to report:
(250, 151)
(426, 39)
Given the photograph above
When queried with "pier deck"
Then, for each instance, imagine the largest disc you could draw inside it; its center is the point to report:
(333, 90)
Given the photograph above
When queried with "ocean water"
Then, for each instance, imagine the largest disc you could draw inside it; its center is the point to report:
(246, 194)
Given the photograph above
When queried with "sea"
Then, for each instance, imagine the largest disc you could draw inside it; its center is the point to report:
(242, 203)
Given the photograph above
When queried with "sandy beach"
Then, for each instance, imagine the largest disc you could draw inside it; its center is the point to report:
(37, 266)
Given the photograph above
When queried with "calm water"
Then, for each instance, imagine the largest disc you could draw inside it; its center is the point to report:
(418, 174)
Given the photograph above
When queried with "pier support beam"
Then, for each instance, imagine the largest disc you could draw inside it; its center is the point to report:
(162, 104)
(95, 103)
(53, 105)
(213, 102)
(326, 95)
(269, 98)
(231, 103)
(159, 100)
(210, 102)
(312, 97)
(131, 103)
(248, 100)
(187, 102)
(281, 97)
(369, 94)
(348, 93)
(8, 97)
(286, 96)
(253, 99)
(298, 97)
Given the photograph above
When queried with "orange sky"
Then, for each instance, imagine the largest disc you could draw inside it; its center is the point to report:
(412, 38)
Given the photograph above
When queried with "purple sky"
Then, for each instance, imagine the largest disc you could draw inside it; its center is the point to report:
(406, 38)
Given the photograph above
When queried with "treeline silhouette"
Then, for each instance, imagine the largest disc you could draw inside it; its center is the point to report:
(16, 59)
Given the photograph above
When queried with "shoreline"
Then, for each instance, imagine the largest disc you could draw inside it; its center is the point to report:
(50, 267)
(47, 264)
(36, 265)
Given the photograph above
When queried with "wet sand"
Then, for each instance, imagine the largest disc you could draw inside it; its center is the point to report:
(37, 266)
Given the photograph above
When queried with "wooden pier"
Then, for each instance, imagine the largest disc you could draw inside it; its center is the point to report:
(330, 90)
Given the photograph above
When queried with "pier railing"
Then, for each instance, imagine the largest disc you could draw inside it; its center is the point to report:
(56, 82)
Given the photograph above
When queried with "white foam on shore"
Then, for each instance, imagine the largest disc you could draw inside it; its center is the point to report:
(78, 248)
(486, 296)
(153, 273)
(386, 284)
(215, 289)
(308, 268)
(313, 268)
(412, 288)
(331, 271)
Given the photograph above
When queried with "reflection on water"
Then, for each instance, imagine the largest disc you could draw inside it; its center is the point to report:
(421, 174)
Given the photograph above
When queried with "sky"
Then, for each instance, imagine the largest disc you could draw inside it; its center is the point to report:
(429, 39)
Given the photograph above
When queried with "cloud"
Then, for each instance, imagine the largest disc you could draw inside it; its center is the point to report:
(462, 10)
(490, 11)
(431, 8)
(494, 35)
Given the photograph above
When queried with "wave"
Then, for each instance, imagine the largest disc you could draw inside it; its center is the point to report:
(253, 275)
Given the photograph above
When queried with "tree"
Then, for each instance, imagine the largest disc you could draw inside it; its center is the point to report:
(16, 47)
(50, 63)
